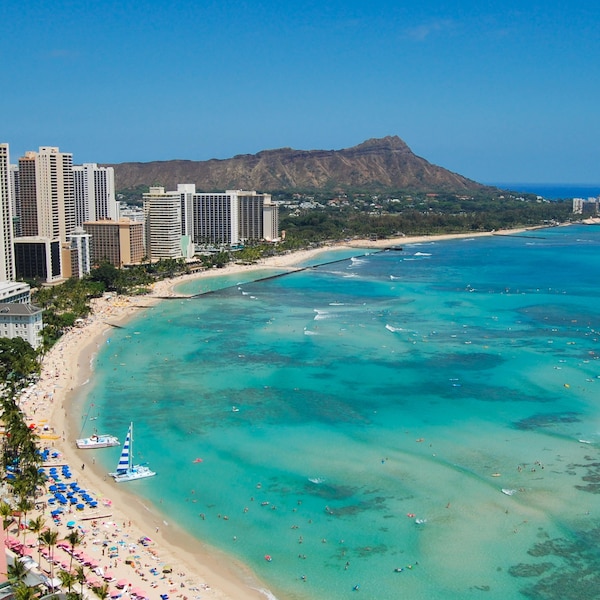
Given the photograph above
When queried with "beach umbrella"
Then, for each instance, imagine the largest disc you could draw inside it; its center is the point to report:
(80, 506)
(71, 524)
(122, 583)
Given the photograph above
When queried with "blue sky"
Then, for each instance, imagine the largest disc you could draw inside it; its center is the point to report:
(497, 91)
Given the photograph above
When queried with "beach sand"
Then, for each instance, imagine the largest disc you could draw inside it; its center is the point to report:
(122, 519)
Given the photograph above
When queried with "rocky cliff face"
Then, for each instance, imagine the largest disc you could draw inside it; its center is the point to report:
(377, 164)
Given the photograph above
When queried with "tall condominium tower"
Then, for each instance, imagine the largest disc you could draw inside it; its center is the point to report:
(46, 194)
(95, 198)
(162, 216)
(7, 260)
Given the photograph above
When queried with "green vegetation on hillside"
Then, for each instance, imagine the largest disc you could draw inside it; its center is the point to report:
(318, 217)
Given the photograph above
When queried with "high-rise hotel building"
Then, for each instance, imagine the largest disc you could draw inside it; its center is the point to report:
(7, 261)
(95, 197)
(163, 225)
(232, 218)
(46, 205)
(46, 194)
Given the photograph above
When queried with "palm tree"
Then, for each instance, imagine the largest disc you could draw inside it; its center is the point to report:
(80, 576)
(74, 539)
(6, 512)
(24, 506)
(67, 579)
(101, 591)
(24, 592)
(17, 571)
(36, 526)
(49, 538)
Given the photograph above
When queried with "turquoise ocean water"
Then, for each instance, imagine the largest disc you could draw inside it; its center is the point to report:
(381, 404)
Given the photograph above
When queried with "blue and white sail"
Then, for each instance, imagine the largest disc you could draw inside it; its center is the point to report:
(125, 460)
(126, 470)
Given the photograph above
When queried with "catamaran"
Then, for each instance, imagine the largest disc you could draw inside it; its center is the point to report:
(102, 440)
(126, 470)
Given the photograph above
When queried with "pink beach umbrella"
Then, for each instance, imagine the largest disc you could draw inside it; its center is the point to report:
(122, 583)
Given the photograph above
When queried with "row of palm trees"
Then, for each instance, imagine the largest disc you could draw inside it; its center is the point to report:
(25, 484)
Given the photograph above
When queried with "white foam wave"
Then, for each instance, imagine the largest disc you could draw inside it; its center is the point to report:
(422, 253)
(321, 314)
(316, 480)
(356, 262)
(392, 328)
(309, 332)
(266, 593)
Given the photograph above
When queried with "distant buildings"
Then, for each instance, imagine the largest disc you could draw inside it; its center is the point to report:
(591, 206)
(58, 220)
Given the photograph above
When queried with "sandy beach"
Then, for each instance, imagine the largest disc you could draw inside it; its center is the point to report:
(121, 519)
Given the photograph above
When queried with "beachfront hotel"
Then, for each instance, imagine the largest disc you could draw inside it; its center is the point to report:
(163, 225)
(228, 218)
(21, 320)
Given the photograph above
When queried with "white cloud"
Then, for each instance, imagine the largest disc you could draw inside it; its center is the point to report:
(426, 30)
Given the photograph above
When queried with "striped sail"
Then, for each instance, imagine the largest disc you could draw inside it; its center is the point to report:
(125, 460)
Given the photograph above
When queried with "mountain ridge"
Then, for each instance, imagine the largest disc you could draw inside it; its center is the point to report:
(375, 164)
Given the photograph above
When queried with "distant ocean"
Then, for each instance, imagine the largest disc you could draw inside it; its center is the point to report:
(419, 424)
(553, 191)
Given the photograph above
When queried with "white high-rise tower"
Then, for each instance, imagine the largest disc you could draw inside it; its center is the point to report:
(95, 198)
(7, 261)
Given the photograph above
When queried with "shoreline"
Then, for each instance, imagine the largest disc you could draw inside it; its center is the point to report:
(66, 371)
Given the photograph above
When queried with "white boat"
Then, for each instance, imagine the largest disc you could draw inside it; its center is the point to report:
(508, 491)
(97, 441)
(126, 470)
